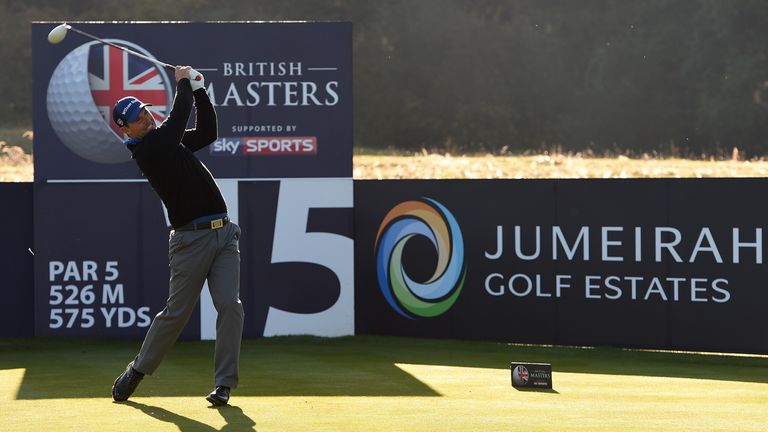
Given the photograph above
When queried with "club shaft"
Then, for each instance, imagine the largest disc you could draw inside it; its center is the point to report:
(130, 51)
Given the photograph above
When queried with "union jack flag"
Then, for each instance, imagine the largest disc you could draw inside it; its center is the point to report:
(114, 74)
(522, 372)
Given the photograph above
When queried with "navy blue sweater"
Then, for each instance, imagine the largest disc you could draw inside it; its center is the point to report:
(166, 158)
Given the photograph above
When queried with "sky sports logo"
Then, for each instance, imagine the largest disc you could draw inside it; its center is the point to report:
(264, 146)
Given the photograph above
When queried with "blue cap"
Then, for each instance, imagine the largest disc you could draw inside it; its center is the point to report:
(127, 110)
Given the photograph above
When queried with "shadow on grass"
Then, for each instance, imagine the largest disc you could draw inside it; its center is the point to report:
(351, 366)
(233, 415)
(536, 390)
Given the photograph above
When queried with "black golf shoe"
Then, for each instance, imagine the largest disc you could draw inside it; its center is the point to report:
(126, 383)
(219, 396)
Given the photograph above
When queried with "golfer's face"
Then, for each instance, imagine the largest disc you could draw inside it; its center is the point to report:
(142, 126)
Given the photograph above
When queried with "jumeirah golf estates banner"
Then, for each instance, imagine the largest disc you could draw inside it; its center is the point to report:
(283, 161)
(675, 264)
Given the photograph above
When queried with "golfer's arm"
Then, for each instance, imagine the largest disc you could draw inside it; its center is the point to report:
(206, 128)
(171, 132)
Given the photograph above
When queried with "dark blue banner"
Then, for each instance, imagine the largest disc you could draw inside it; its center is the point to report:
(282, 92)
(283, 162)
(101, 258)
(670, 264)
(16, 259)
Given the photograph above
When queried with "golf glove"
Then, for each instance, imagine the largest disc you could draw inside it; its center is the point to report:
(196, 80)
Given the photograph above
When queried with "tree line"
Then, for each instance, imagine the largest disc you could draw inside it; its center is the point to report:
(505, 76)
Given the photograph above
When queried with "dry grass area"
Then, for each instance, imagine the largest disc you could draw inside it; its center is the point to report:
(435, 166)
(16, 165)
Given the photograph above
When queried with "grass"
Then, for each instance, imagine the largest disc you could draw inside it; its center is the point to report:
(376, 383)
(424, 165)
(16, 155)
(16, 164)
(17, 136)
(17, 167)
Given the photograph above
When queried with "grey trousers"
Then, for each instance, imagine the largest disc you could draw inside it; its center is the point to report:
(195, 256)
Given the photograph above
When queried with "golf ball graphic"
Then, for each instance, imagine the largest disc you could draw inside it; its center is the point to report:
(80, 123)
(520, 375)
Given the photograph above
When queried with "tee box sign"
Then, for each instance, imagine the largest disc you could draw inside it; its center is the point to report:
(283, 162)
(281, 91)
(531, 375)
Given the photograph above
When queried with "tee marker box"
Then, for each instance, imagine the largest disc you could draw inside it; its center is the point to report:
(531, 375)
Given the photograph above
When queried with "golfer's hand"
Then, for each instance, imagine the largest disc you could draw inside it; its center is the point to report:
(196, 79)
(182, 72)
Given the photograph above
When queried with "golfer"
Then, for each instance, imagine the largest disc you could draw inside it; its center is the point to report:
(203, 243)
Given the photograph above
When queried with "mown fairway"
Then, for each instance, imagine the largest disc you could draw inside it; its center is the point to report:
(367, 383)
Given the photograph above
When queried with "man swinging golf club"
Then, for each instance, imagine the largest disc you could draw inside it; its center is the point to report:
(203, 244)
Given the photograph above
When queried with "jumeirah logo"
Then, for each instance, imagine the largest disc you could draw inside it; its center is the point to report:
(430, 219)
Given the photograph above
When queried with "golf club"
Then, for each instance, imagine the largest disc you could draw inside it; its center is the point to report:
(60, 32)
